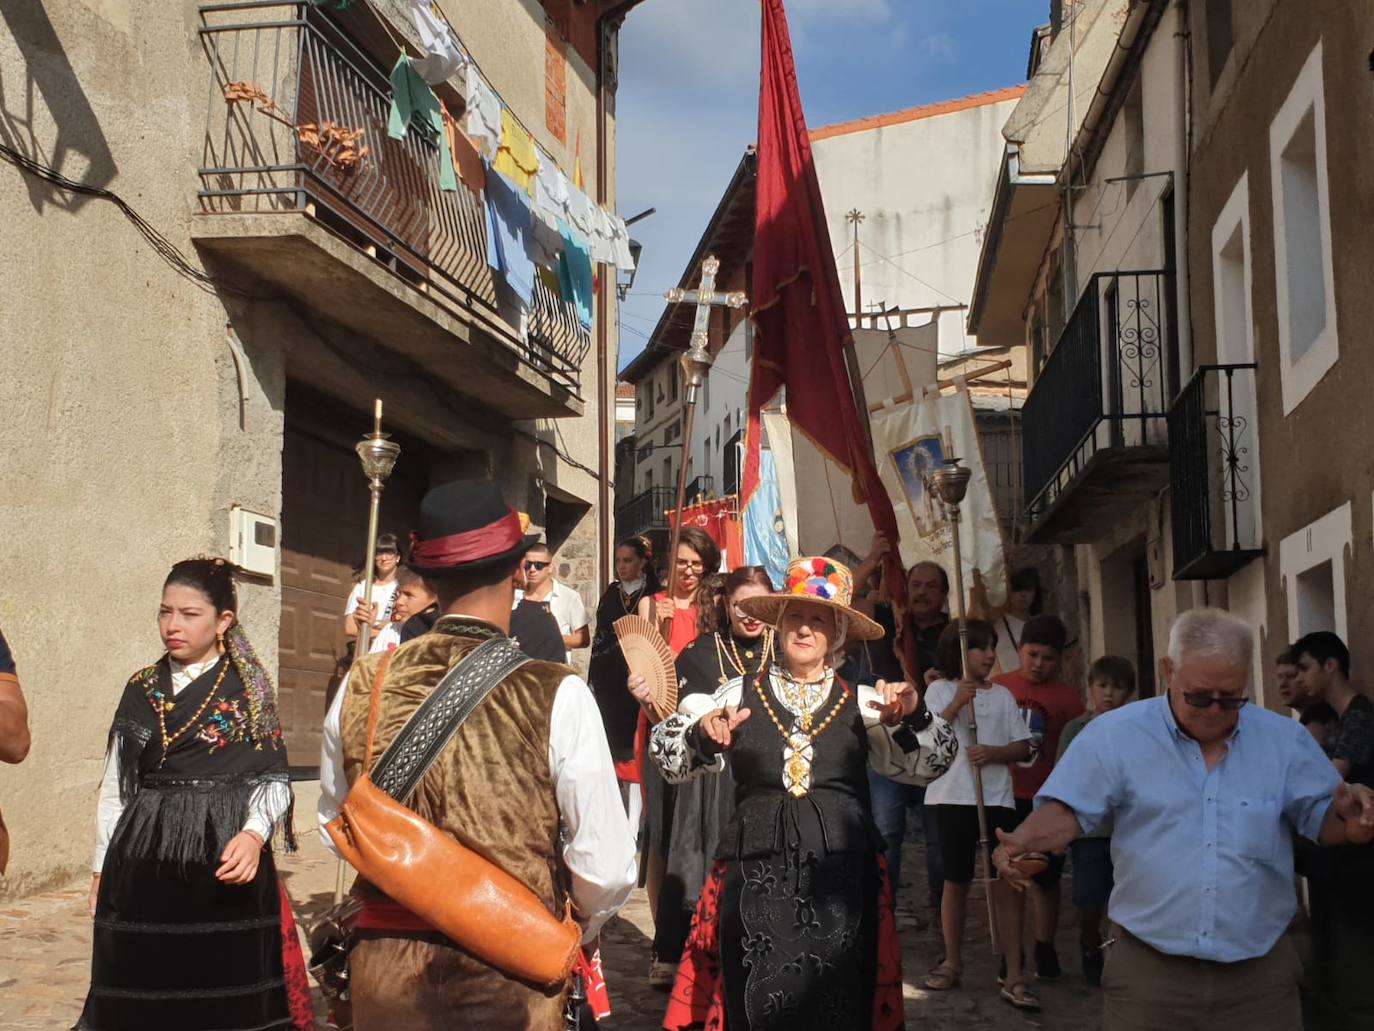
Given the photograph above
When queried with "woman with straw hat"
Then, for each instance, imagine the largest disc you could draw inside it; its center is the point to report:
(791, 930)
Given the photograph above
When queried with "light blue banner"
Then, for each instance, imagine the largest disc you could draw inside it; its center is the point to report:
(765, 541)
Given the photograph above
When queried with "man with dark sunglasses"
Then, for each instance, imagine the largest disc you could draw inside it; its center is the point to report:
(561, 601)
(1205, 792)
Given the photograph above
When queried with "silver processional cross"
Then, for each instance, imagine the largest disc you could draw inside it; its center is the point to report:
(696, 363)
(705, 297)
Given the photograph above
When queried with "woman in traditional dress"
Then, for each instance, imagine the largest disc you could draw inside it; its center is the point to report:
(186, 902)
(740, 645)
(686, 614)
(794, 929)
(607, 673)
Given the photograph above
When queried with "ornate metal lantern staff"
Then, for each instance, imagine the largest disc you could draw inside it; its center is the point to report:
(951, 480)
(696, 363)
(378, 455)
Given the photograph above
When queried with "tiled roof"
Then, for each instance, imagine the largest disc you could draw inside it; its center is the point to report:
(912, 114)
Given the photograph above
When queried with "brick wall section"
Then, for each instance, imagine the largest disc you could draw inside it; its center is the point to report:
(555, 83)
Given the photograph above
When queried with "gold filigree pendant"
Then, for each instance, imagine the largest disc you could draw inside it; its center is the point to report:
(796, 765)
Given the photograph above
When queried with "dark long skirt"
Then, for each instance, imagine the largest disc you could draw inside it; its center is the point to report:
(700, 814)
(176, 948)
(770, 950)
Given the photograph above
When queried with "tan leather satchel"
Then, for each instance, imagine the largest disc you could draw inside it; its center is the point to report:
(463, 895)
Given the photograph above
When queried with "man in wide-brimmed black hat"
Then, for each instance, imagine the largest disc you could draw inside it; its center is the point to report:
(526, 782)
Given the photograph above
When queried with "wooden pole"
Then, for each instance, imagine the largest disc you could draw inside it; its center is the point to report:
(689, 404)
(959, 614)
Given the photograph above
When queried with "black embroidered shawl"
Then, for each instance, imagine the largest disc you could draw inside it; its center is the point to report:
(184, 804)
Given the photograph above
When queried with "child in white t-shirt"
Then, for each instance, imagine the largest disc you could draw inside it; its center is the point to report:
(1003, 739)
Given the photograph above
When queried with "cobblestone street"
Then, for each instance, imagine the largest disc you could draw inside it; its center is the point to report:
(45, 960)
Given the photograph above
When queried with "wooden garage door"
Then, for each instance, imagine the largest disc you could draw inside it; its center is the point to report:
(324, 534)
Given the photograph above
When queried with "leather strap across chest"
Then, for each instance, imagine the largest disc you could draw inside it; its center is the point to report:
(429, 730)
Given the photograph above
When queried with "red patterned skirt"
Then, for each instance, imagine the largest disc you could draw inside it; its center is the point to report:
(698, 995)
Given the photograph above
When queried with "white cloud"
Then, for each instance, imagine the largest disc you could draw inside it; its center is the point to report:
(941, 47)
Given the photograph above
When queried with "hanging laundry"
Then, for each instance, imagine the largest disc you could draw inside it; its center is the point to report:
(581, 213)
(620, 244)
(550, 194)
(517, 157)
(575, 273)
(414, 105)
(465, 156)
(578, 181)
(602, 245)
(484, 114)
(442, 58)
(551, 280)
(510, 234)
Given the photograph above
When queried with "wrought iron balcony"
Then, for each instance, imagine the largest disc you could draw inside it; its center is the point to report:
(645, 513)
(1213, 462)
(296, 124)
(1093, 426)
(700, 489)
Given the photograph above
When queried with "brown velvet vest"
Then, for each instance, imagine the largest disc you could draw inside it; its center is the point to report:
(491, 789)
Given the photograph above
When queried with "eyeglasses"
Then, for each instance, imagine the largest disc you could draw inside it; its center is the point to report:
(687, 565)
(1198, 700)
(531, 564)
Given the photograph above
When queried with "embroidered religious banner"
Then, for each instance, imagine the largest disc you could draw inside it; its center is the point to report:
(908, 441)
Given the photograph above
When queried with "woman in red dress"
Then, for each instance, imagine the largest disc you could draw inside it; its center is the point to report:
(687, 614)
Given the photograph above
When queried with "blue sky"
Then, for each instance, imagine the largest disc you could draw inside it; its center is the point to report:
(688, 100)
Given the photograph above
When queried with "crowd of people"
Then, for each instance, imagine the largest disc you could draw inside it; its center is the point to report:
(466, 766)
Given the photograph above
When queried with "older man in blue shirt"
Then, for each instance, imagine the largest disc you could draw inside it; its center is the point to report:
(1205, 791)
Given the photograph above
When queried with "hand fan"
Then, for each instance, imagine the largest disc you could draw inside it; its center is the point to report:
(648, 655)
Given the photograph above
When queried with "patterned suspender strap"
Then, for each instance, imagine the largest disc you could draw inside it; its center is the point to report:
(427, 733)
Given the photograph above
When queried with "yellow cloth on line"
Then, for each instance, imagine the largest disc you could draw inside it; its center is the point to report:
(517, 157)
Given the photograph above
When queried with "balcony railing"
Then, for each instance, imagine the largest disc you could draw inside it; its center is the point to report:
(645, 512)
(1213, 463)
(700, 488)
(1105, 385)
(297, 121)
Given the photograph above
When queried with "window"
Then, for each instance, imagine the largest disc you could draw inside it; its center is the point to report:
(649, 393)
(668, 472)
(1302, 236)
(1312, 567)
(672, 381)
(1235, 346)
(1219, 36)
(1316, 598)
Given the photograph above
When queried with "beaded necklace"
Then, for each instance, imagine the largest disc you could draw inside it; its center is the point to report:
(164, 708)
(736, 660)
(798, 752)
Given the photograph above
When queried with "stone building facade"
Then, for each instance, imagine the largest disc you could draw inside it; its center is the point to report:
(225, 351)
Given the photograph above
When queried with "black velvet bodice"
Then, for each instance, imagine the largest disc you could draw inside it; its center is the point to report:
(834, 816)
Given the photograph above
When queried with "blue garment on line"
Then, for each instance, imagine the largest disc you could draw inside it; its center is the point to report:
(510, 234)
(575, 272)
(1203, 858)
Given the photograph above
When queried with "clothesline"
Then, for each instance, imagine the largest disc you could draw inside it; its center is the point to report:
(495, 122)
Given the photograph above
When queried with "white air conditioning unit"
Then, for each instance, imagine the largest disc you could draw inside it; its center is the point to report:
(253, 542)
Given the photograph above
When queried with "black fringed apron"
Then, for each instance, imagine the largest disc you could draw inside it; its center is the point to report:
(174, 947)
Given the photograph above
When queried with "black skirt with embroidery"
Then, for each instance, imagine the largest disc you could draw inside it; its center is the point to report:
(173, 946)
(176, 948)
